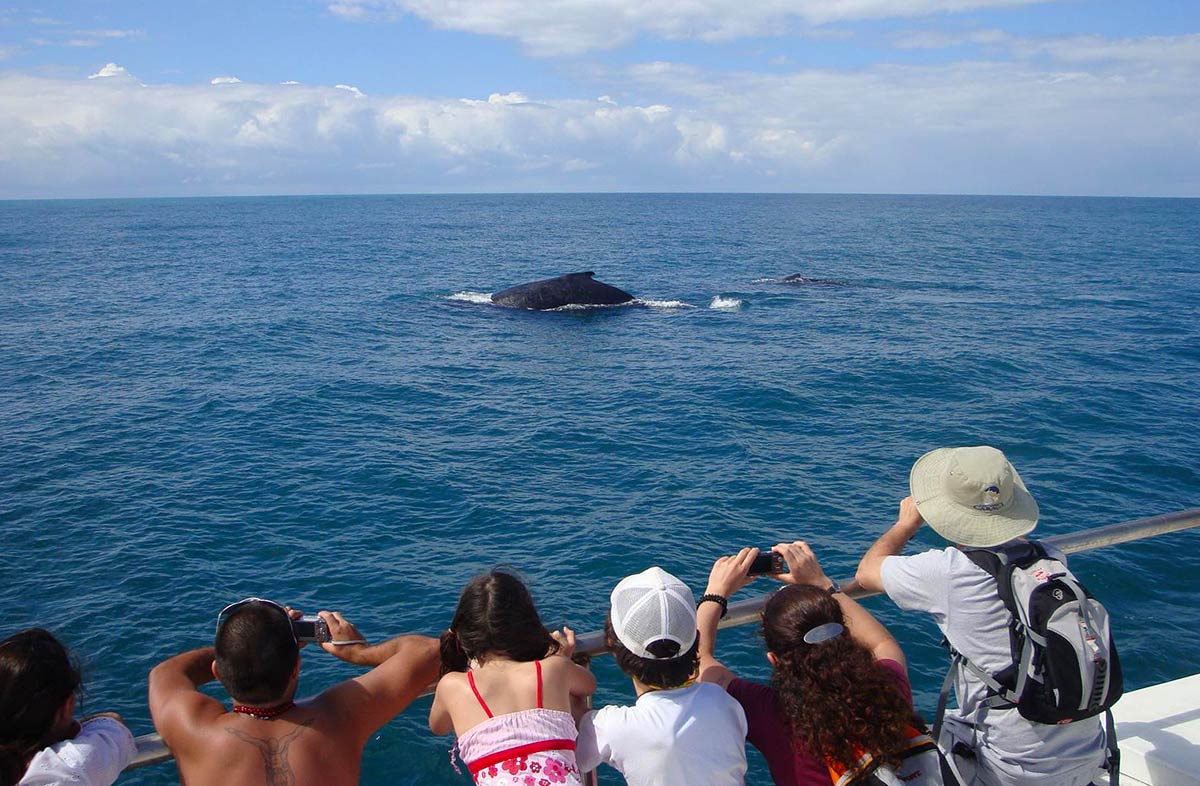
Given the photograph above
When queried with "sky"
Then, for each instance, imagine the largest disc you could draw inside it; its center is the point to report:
(129, 98)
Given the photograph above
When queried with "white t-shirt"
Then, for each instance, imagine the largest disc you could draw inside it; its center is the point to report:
(694, 735)
(1011, 750)
(94, 757)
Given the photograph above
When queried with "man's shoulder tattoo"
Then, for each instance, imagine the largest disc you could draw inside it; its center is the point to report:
(274, 752)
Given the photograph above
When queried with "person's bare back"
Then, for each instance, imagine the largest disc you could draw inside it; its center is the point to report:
(298, 750)
(276, 742)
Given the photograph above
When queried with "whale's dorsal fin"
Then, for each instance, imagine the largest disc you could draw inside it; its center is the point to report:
(587, 273)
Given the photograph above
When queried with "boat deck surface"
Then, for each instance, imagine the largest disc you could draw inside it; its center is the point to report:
(1158, 729)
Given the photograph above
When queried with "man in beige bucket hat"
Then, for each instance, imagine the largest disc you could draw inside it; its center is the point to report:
(974, 498)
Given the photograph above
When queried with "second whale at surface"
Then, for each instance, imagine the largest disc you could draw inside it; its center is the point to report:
(797, 278)
(573, 289)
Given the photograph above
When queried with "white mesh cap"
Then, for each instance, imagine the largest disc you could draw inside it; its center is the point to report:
(651, 606)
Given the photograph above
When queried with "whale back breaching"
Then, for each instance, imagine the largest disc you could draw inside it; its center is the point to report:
(798, 278)
(572, 289)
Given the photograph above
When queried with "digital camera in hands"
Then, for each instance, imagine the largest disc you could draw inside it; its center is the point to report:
(311, 628)
(767, 562)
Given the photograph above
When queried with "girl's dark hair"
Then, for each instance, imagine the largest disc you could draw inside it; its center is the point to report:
(495, 616)
(37, 675)
(839, 702)
(671, 670)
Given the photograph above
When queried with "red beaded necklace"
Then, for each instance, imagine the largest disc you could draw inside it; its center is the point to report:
(264, 713)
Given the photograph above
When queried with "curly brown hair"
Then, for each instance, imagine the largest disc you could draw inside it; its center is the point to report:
(839, 702)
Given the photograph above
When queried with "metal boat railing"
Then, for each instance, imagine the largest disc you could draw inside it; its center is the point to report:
(152, 751)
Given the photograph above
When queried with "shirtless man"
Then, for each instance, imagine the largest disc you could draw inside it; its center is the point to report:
(267, 738)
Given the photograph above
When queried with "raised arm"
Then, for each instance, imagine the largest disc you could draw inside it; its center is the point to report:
(581, 683)
(440, 721)
(401, 668)
(177, 708)
(803, 568)
(728, 575)
(890, 543)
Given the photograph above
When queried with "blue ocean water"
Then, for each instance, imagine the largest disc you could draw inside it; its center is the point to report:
(302, 398)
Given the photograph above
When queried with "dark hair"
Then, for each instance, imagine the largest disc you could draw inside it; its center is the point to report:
(37, 675)
(256, 653)
(671, 671)
(495, 616)
(839, 702)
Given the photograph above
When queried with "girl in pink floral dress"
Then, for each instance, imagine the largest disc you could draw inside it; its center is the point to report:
(509, 689)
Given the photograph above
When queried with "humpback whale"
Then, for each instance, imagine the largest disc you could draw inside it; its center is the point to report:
(571, 289)
(797, 278)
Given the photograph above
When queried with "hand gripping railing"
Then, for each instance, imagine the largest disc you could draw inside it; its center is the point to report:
(152, 751)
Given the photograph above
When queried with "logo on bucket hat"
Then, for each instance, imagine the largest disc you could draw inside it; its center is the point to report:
(972, 496)
(991, 499)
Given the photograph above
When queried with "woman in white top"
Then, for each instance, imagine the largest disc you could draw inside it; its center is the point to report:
(40, 740)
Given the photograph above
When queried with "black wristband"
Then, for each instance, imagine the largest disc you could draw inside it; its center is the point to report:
(834, 587)
(715, 599)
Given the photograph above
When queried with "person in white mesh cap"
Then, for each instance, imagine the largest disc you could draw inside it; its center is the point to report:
(679, 731)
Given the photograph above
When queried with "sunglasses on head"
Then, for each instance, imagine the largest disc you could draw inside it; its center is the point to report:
(233, 607)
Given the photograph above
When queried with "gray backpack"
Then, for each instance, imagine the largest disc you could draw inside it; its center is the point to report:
(1064, 661)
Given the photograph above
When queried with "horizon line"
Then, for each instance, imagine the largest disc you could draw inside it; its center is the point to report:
(583, 193)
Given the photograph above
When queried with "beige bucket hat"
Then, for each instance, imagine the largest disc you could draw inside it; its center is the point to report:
(972, 496)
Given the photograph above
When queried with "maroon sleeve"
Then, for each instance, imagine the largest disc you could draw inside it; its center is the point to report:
(900, 675)
(767, 730)
(758, 702)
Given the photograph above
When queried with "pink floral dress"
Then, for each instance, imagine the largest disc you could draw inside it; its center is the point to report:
(528, 748)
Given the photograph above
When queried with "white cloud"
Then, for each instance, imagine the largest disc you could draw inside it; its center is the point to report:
(111, 33)
(980, 127)
(939, 39)
(87, 38)
(1181, 50)
(564, 27)
(109, 71)
(7, 52)
(352, 90)
(72, 137)
(1067, 125)
(225, 80)
(1161, 50)
(508, 98)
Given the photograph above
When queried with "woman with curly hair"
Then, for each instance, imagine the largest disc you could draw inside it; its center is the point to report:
(839, 688)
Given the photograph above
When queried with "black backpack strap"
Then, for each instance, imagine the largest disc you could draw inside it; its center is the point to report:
(955, 661)
(1114, 753)
(949, 774)
(992, 562)
(999, 564)
(1000, 696)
